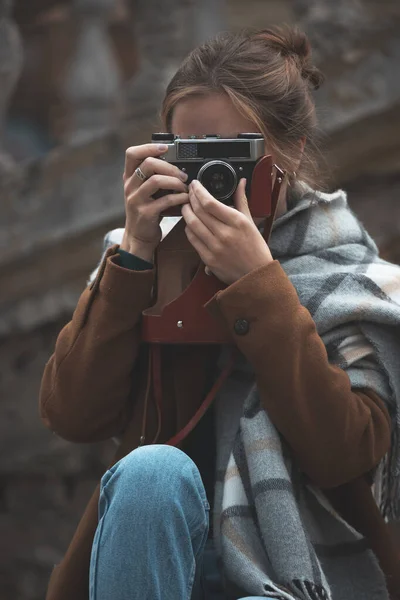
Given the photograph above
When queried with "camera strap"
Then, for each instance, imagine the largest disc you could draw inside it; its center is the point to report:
(279, 188)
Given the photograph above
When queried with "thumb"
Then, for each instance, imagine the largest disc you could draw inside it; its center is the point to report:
(240, 199)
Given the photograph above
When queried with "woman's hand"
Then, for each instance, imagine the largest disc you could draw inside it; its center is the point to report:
(142, 228)
(226, 238)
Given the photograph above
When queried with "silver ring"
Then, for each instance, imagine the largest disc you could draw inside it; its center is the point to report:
(139, 173)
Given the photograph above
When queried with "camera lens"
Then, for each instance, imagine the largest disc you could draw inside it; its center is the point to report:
(219, 178)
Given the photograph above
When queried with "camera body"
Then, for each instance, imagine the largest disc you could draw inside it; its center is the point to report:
(218, 163)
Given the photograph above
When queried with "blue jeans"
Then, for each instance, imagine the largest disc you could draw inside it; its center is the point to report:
(152, 531)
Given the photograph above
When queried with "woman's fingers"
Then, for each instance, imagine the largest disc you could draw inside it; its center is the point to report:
(209, 221)
(160, 182)
(210, 205)
(198, 244)
(197, 226)
(137, 154)
(169, 201)
(153, 166)
(240, 199)
(150, 166)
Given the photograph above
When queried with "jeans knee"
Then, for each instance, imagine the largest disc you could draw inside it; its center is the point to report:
(155, 477)
(147, 464)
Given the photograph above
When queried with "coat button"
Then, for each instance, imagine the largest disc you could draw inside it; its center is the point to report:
(241, 327)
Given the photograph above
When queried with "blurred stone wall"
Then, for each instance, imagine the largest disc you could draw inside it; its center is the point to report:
(54, 212)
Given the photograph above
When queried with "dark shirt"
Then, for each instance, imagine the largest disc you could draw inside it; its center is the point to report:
(132, 262)
(200, 446)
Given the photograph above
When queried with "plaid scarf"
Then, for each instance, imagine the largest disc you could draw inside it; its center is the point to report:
(276, 534)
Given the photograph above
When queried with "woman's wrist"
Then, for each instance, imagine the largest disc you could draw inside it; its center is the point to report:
(139, 249)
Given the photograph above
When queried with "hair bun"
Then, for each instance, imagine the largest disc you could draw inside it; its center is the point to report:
(293, 43)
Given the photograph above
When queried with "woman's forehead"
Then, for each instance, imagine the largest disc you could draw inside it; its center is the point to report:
(211, 114)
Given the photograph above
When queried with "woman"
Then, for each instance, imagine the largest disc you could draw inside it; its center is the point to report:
(306, 422)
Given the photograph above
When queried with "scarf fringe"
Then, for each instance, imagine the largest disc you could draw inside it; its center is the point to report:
(311, 591)
(390, 493)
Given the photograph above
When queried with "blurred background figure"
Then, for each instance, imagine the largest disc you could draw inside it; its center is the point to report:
(80, 80)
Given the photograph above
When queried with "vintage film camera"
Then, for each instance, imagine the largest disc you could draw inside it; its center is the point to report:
(219, 164)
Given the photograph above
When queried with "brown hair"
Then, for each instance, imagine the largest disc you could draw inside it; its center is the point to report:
(269, 76)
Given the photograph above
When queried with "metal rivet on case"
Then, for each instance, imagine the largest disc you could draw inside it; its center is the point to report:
(183, 169)
(240, 168)
(179, 324)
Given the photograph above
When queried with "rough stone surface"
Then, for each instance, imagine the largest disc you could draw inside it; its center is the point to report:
(10, 55)
(45, 482)
(92, 85)
(10, 66)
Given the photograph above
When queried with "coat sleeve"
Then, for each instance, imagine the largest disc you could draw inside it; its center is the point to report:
(337, 433)
(86, 385)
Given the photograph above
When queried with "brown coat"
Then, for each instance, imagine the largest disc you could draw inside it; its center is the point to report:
(93, 388)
